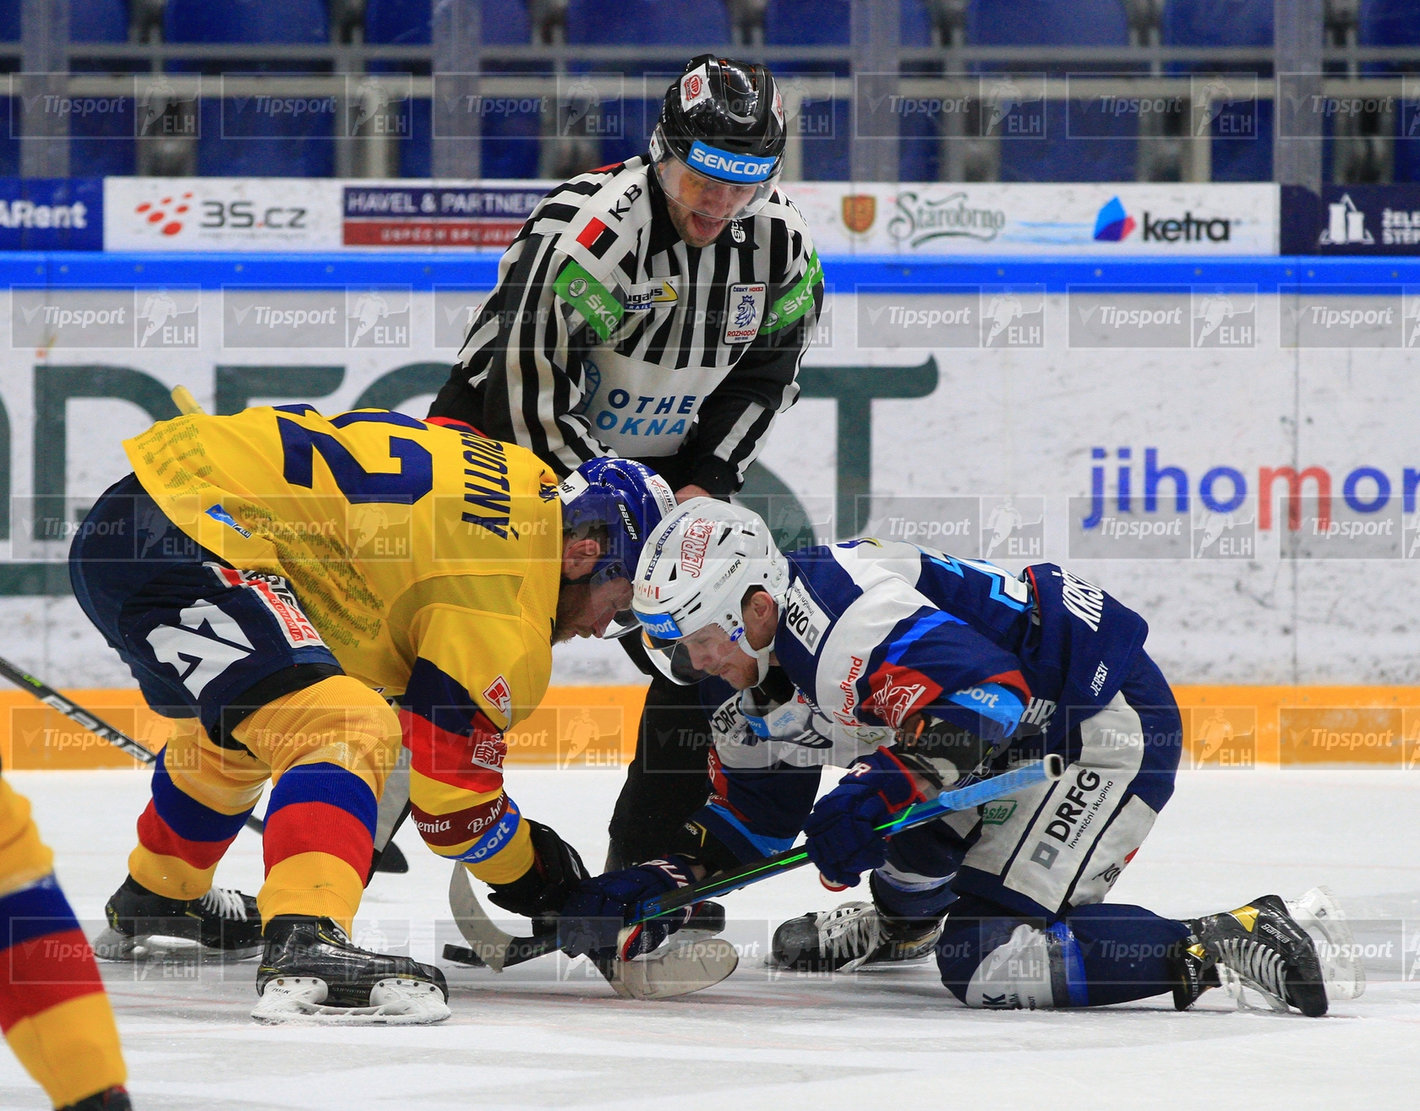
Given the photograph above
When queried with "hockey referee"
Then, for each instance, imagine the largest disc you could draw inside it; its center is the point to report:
(656, 309)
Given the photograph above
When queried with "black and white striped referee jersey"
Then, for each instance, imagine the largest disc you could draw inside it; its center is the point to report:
(608, 334)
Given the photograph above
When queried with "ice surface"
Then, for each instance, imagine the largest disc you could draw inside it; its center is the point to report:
(550, 1034)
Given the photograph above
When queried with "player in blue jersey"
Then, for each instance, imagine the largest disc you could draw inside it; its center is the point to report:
(941, 668)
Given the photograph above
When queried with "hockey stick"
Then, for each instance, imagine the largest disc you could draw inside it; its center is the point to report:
(76, 713)
(498, 950)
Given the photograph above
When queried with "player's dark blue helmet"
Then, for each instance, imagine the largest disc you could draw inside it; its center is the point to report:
(722, 120)
(627, 500)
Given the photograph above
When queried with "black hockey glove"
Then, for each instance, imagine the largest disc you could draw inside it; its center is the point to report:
(539, 893)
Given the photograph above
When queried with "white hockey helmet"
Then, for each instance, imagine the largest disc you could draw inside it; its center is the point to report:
(695, 568)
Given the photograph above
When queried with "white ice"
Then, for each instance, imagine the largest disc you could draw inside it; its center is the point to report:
(551, 1034)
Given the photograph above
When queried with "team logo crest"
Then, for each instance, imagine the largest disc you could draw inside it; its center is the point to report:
(859, 212)
(500, 696)
(745, 309)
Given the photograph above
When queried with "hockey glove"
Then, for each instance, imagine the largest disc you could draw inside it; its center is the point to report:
(540, 891)
(594, 915)
(842, 841)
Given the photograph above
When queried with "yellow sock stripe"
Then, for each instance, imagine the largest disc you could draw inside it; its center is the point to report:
(71, 1049)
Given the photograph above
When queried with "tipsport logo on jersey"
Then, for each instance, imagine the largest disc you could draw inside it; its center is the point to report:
(969, 316)
(994, 527)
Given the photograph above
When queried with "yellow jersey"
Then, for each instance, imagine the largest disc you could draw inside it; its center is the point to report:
(402, 539)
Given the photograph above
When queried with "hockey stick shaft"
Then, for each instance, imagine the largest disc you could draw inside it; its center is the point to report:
(501, 950)
(94, 724)
(1052, 767)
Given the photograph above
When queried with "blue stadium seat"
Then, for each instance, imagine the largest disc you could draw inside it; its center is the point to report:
(691, 25)
(509, 146)
(238, 138)
(1108, 153)
(826, 126)
(919, 156)
(684, 27)
(9, 141)
(1228, 23)
(101, 145)
(1395, 23)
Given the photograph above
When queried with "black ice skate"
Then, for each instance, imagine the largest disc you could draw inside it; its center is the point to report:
(850, 936)
(310, 971)
(1266, 949)
(111, 1099)
(143, 925)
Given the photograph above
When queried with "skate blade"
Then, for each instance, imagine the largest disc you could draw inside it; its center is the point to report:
(1247, 995)
(1318, 912)
(677, 970)
(109, 945)
(393, 1002)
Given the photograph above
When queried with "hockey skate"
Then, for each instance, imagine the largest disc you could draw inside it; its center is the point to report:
(112, 1099)
(311, 972)
(850, 936)
(1261, 947)
(1342, 973)
(143, 925)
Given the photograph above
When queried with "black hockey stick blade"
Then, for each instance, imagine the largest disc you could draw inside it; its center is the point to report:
(391, 859)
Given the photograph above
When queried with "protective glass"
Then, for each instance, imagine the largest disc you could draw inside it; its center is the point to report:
(674, 658)
(739, 189)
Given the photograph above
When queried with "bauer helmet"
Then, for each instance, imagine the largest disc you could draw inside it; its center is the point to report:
(626, 499)
(719, 142)
(695, 568)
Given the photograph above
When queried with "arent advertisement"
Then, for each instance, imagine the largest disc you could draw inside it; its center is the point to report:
(51, 214)
(221, 214)
(993, 219)
(411, 214)
(1351, 220)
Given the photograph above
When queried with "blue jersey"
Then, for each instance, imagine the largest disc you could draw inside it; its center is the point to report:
(875, 631)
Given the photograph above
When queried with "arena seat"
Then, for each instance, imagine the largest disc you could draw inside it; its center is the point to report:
(1063, 154)
(1205, 23)
(1395, 23)
(509, 146)
(684, 29)
(101, 145)
(238, 139)
(826, 126)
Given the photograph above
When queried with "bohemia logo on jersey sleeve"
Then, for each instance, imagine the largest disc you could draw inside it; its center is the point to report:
(500, 695)
(897, 692)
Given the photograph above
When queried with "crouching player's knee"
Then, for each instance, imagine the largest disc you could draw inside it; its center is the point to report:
(330, 747)
(1005, 963)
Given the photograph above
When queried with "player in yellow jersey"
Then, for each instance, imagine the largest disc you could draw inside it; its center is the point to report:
(272, 578)
(53, 1008)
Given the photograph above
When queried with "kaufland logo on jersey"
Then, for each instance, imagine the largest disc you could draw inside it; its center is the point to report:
(1113, 224)
(729, 167)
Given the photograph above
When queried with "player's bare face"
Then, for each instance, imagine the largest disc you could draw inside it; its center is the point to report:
(585, 611)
